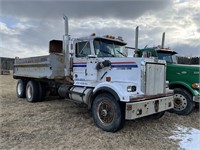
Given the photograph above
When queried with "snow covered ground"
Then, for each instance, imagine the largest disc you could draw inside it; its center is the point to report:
(189, 138)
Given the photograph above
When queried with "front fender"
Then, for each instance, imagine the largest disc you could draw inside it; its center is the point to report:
(113, 88)
(185, 85)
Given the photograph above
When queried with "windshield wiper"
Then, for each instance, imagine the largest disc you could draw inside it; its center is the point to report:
(121, 53)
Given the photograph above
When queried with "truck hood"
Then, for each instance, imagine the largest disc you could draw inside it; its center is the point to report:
(185, 66)
(183, 73)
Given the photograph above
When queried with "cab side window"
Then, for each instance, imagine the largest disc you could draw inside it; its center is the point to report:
(83, 49)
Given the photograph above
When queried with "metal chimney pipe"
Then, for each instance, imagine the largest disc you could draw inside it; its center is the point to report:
(136, 41)
(163, 40)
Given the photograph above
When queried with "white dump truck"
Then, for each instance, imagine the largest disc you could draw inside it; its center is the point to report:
(95, 71)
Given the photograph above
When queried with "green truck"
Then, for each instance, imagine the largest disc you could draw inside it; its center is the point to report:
(183, 79)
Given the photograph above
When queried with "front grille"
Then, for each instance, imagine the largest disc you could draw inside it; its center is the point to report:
(154, 79)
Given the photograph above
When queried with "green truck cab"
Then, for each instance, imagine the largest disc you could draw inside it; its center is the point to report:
(183, 79)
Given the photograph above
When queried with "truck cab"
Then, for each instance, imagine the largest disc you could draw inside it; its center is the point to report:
(102, 62)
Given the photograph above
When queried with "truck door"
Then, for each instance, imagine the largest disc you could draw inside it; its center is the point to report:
(84, 67)
(91, 74)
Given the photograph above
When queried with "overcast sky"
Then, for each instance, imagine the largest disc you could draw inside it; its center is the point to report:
(26, 27)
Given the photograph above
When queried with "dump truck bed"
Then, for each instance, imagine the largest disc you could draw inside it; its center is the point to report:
(48, 67)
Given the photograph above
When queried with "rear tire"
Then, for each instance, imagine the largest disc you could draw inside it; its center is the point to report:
(21, 88)
(107, 113)
(183, 103)
(42, 91)
(32, 91)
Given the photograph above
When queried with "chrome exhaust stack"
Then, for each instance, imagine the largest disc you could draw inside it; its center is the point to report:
(66, 53)
(136, 41)
(163, 40)
(66, 25)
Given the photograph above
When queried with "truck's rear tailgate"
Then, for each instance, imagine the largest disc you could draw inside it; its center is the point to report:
(49, 67)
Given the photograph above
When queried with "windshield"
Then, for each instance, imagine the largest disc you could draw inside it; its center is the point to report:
(169, 58)
(108, 48)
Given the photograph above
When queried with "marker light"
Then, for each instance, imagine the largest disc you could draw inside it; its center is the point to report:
(108, 79)
(196, 85)
(110, 36)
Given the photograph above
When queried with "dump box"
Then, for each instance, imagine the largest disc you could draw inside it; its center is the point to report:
(48, 67)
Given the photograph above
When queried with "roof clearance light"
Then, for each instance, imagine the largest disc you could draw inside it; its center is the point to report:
(107, 36)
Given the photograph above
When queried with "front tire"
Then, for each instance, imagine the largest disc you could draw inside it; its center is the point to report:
(21, 88)
(183, 104)
(107, 113)
(32, 91)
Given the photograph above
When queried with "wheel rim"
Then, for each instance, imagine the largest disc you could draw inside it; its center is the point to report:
(19, 88)
(180, 102)
(29, 92)
(105, 112)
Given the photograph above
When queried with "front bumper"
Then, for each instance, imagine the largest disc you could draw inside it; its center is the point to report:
(148, 107)
(196, 98)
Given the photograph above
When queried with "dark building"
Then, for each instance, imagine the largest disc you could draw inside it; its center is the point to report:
(6, 65)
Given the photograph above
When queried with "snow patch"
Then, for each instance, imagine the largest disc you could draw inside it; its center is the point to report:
(189, 138)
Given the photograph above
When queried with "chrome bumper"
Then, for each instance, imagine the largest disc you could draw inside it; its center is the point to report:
(148, 107)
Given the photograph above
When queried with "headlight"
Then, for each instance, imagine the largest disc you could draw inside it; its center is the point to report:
(196, 85)
(131, 88)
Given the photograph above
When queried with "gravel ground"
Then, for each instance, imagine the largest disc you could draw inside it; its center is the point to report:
(61, 124)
